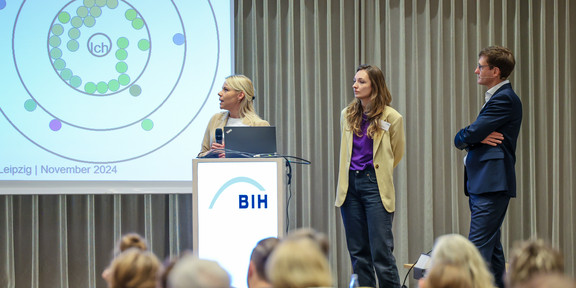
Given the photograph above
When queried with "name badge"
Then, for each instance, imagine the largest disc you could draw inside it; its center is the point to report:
(384, 125)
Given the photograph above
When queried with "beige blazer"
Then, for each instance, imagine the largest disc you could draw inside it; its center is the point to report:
(219, 120)
(389, 145)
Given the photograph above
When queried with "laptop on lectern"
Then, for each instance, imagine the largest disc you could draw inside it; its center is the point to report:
(249, 141)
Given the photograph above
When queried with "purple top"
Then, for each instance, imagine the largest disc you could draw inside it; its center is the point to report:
(362, 148)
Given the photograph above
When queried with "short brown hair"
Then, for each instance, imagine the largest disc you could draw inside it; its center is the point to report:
(500, 57)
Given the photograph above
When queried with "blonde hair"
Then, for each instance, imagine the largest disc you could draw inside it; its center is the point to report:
(445, 275)
(242, 83)
(456, 250)
(135, 268)
(530, 258)
(298, 263)
(132, 240)
(379, 99)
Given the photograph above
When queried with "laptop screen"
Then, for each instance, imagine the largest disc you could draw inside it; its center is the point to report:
(246, 141)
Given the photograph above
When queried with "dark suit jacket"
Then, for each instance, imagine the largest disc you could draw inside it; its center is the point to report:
(489, 168)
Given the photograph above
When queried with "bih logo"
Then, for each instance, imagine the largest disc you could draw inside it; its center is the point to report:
(258, 201)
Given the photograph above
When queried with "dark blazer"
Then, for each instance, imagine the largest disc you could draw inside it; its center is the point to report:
(491, 168)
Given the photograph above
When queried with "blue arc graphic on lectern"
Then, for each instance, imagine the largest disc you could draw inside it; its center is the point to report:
(232, 182)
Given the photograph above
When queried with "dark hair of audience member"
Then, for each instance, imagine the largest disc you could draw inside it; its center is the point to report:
(260, 255)
(135, 268)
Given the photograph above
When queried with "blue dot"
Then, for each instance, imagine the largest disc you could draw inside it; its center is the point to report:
(178, 39)
(2, 4)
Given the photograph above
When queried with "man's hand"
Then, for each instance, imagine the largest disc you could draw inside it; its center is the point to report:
(493, 139)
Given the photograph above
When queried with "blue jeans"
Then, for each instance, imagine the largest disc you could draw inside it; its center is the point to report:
(369, 231)
(487, 213)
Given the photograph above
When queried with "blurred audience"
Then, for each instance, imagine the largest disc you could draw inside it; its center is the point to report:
(298, 263)
(191, 272)
(318, 237)
(445, 275)
(130, 240)
(134, 268)
(530, 258)
(457, 250)
(548, 280)
(256, 270)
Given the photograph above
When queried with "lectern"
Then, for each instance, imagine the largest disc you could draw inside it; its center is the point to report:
(236, 203)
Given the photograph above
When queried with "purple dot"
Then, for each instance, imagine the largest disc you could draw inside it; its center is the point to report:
(178, 39)
(55, 125)
(2, 4)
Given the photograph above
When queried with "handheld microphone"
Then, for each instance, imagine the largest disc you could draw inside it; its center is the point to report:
(219, 135)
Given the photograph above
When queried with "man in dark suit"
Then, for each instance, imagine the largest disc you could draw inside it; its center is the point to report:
(490, 177)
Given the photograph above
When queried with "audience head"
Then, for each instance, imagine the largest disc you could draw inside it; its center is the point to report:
(134, 268)
(191, 272)
(132, 240)
(548, 280)
(530, 258)
(318, 237)
(456, 250)
(298, 263)
(258, 259)
(445, 275)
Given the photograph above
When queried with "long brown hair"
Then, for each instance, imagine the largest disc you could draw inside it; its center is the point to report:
(379, 99)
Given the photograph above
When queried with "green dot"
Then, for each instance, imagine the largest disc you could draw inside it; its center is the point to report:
(121, 67)
(138, 23)
(76, 22)
(57, 29)
(147, 124)
(135, 90)
(122, 42)
(102, 87)
(74, 33)
(124, 79)
(88, 3)
(66, 74)
(100, 3)
(54, 41)
(59, 64)
(75, 81)
(96, 11)
(89, 21)
(131, 14)
(113, 85)
(121, 54)
(64, 17)
(73, 45)
(90, 87)
(55, 53)
(112, 4)
(144, 44)
(30, 105)
(82, 11)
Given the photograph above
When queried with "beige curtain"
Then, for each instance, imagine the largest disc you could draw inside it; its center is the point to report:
(302, 56)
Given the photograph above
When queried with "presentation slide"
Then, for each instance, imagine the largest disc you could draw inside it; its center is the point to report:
(109, 90)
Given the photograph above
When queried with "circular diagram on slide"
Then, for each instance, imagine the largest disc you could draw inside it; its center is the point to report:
(107, 80)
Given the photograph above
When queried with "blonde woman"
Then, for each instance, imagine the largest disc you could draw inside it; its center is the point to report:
(457, 250)
(135, 268)
(130, 240)
(237, 98)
